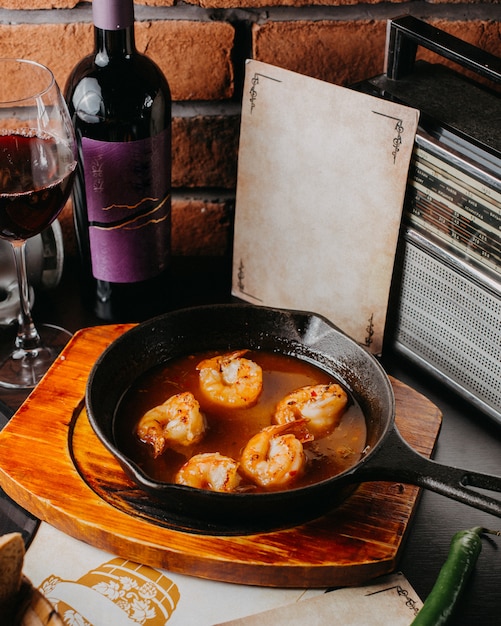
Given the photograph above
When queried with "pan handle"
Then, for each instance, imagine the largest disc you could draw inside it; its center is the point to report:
(397, 460)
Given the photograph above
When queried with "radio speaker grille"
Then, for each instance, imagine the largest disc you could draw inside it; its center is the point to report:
(451, 324)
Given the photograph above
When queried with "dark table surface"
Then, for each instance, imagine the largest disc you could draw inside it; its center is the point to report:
(468, 439)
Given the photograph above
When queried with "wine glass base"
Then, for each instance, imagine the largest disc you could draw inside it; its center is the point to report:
(22, 370)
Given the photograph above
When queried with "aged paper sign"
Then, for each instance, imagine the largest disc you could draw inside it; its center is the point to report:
(322, 172)
(388, 600)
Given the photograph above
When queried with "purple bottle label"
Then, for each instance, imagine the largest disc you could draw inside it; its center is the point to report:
(128, 205)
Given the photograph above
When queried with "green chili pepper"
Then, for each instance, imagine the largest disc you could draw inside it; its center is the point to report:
(465, 548)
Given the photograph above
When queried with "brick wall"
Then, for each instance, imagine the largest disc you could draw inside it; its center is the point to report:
(201, 48)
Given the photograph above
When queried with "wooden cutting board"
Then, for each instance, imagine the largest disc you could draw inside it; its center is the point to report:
(53, 465)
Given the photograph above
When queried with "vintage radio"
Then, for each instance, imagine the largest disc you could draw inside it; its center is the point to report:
(445, 306)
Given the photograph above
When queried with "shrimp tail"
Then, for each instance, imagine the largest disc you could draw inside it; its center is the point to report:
(158, 443)
(298, 428)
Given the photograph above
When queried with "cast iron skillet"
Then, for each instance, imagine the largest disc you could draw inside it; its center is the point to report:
(301, 334)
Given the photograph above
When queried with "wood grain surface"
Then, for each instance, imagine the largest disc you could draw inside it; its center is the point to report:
(52, 464)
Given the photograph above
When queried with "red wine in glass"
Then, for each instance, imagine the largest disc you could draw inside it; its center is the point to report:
(37, 165)
(28, 206)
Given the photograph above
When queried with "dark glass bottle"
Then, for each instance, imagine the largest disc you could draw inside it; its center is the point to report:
(120, 105)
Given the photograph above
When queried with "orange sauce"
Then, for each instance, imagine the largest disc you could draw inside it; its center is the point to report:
(230, 429)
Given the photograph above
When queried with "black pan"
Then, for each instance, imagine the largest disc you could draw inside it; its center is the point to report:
(301, 334)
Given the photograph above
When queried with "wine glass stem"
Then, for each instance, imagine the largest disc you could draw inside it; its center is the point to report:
(28, 339)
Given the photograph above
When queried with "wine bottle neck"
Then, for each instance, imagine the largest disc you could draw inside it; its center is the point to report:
(113, 29)
(111, 44)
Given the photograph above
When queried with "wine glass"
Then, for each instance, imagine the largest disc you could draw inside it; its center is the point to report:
(37, 165)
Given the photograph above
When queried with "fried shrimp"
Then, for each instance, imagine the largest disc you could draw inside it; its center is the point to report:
(230, 380)
(321, 405)
(178, 421)
(210, 470)
(275, 457)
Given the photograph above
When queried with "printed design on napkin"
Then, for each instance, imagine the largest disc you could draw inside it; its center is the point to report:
(118, 592)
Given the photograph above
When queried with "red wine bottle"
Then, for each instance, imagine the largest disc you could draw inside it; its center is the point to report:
(120, 104)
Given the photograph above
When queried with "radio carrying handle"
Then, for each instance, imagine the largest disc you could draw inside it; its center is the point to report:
(405, 34)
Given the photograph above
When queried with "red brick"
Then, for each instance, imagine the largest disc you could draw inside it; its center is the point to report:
(66, 4)
(58, 46)
(157, 3)
(38, 4)
(201, 227)
(336, 52)
(204, 151)
(228, 4)
(195, 56)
